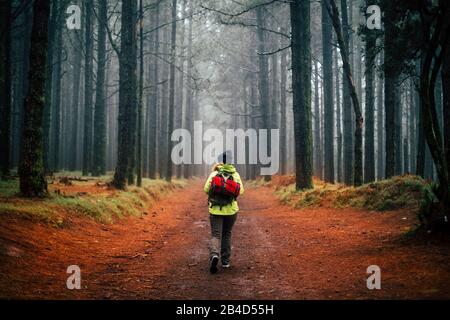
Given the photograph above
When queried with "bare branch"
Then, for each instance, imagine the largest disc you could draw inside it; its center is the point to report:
(243, 24)
(237, 14)
(236, 114)
(273, 52)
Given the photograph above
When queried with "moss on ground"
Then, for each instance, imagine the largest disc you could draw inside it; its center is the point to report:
(399, 192)
(9, 188)
(103, 207)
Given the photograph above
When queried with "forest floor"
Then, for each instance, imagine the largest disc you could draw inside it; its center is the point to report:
(278, 253)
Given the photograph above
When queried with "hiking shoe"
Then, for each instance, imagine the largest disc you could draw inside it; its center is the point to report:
(226, 265)
(213, 264)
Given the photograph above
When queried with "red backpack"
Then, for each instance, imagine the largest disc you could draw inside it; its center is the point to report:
(223, 190)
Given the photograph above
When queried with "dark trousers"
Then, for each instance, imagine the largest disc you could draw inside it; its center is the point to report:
(221, 227)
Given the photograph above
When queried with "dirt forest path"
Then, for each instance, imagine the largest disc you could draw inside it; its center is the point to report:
(278, 253)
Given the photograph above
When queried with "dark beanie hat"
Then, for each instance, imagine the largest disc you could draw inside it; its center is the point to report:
(225, 157)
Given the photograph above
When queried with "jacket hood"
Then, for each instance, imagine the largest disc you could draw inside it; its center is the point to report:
(227, 168)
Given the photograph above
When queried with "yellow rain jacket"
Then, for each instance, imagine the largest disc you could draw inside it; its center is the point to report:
(231, 208)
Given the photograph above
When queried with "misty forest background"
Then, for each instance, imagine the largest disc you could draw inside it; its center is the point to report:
(353, 105)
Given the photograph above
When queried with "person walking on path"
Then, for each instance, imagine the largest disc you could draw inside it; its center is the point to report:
(223, 186)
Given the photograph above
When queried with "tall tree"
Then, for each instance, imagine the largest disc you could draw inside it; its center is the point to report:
(380, 125)
(263, 73)
(140, 96)
(76, 77)
(52, 33)
(179, 101)
(436, 40)
(283, 111)
(5, 86)
(358, 156)
(21, 35)
(391, 75)
(164, 98)
(317, 133)
(31, 172)
(274, 91)
(99, 156)
(55, 105)
(153, 99)
(133, 107)
(173, 42)
(369, 151)
(346, 105)
(338, 120)
(327, 71)
(127, 93)
(88, 57)
(301, 87)
(412, 125)
(446, 103)
(421, 144)
(189, 88)
(407, 115)
(398, 112)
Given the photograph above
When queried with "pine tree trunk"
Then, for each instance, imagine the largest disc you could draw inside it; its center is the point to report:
(274, 92)
(246, 123)
(75, 103)
(358, 165)
(338, 120)
(173, 39)
(153, 101)
(430, 116)
(253, 121)
(189, 121)
(263, 72)
(412, 126)
(301, 87)
(164, 103)
(406, 115)
(140, 96)
(421, 146)
(446, 104)
(380, 126)
(391, 75)
(327, 71)
(133, 107)
(398, 132)
(369, 160)
(317, 133)
(179, 110)
(283, 110)
(22, 50)
(32, 175)
(87, 134)
(127, 93)
(346, 105)
(55, 137)
(49, 83)
(99, 156)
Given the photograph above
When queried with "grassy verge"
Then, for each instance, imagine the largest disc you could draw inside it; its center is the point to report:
(399, 192)
(104, 206)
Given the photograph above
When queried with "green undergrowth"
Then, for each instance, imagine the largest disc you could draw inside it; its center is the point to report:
(103, 206)
(9, 188)
(396, 193)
